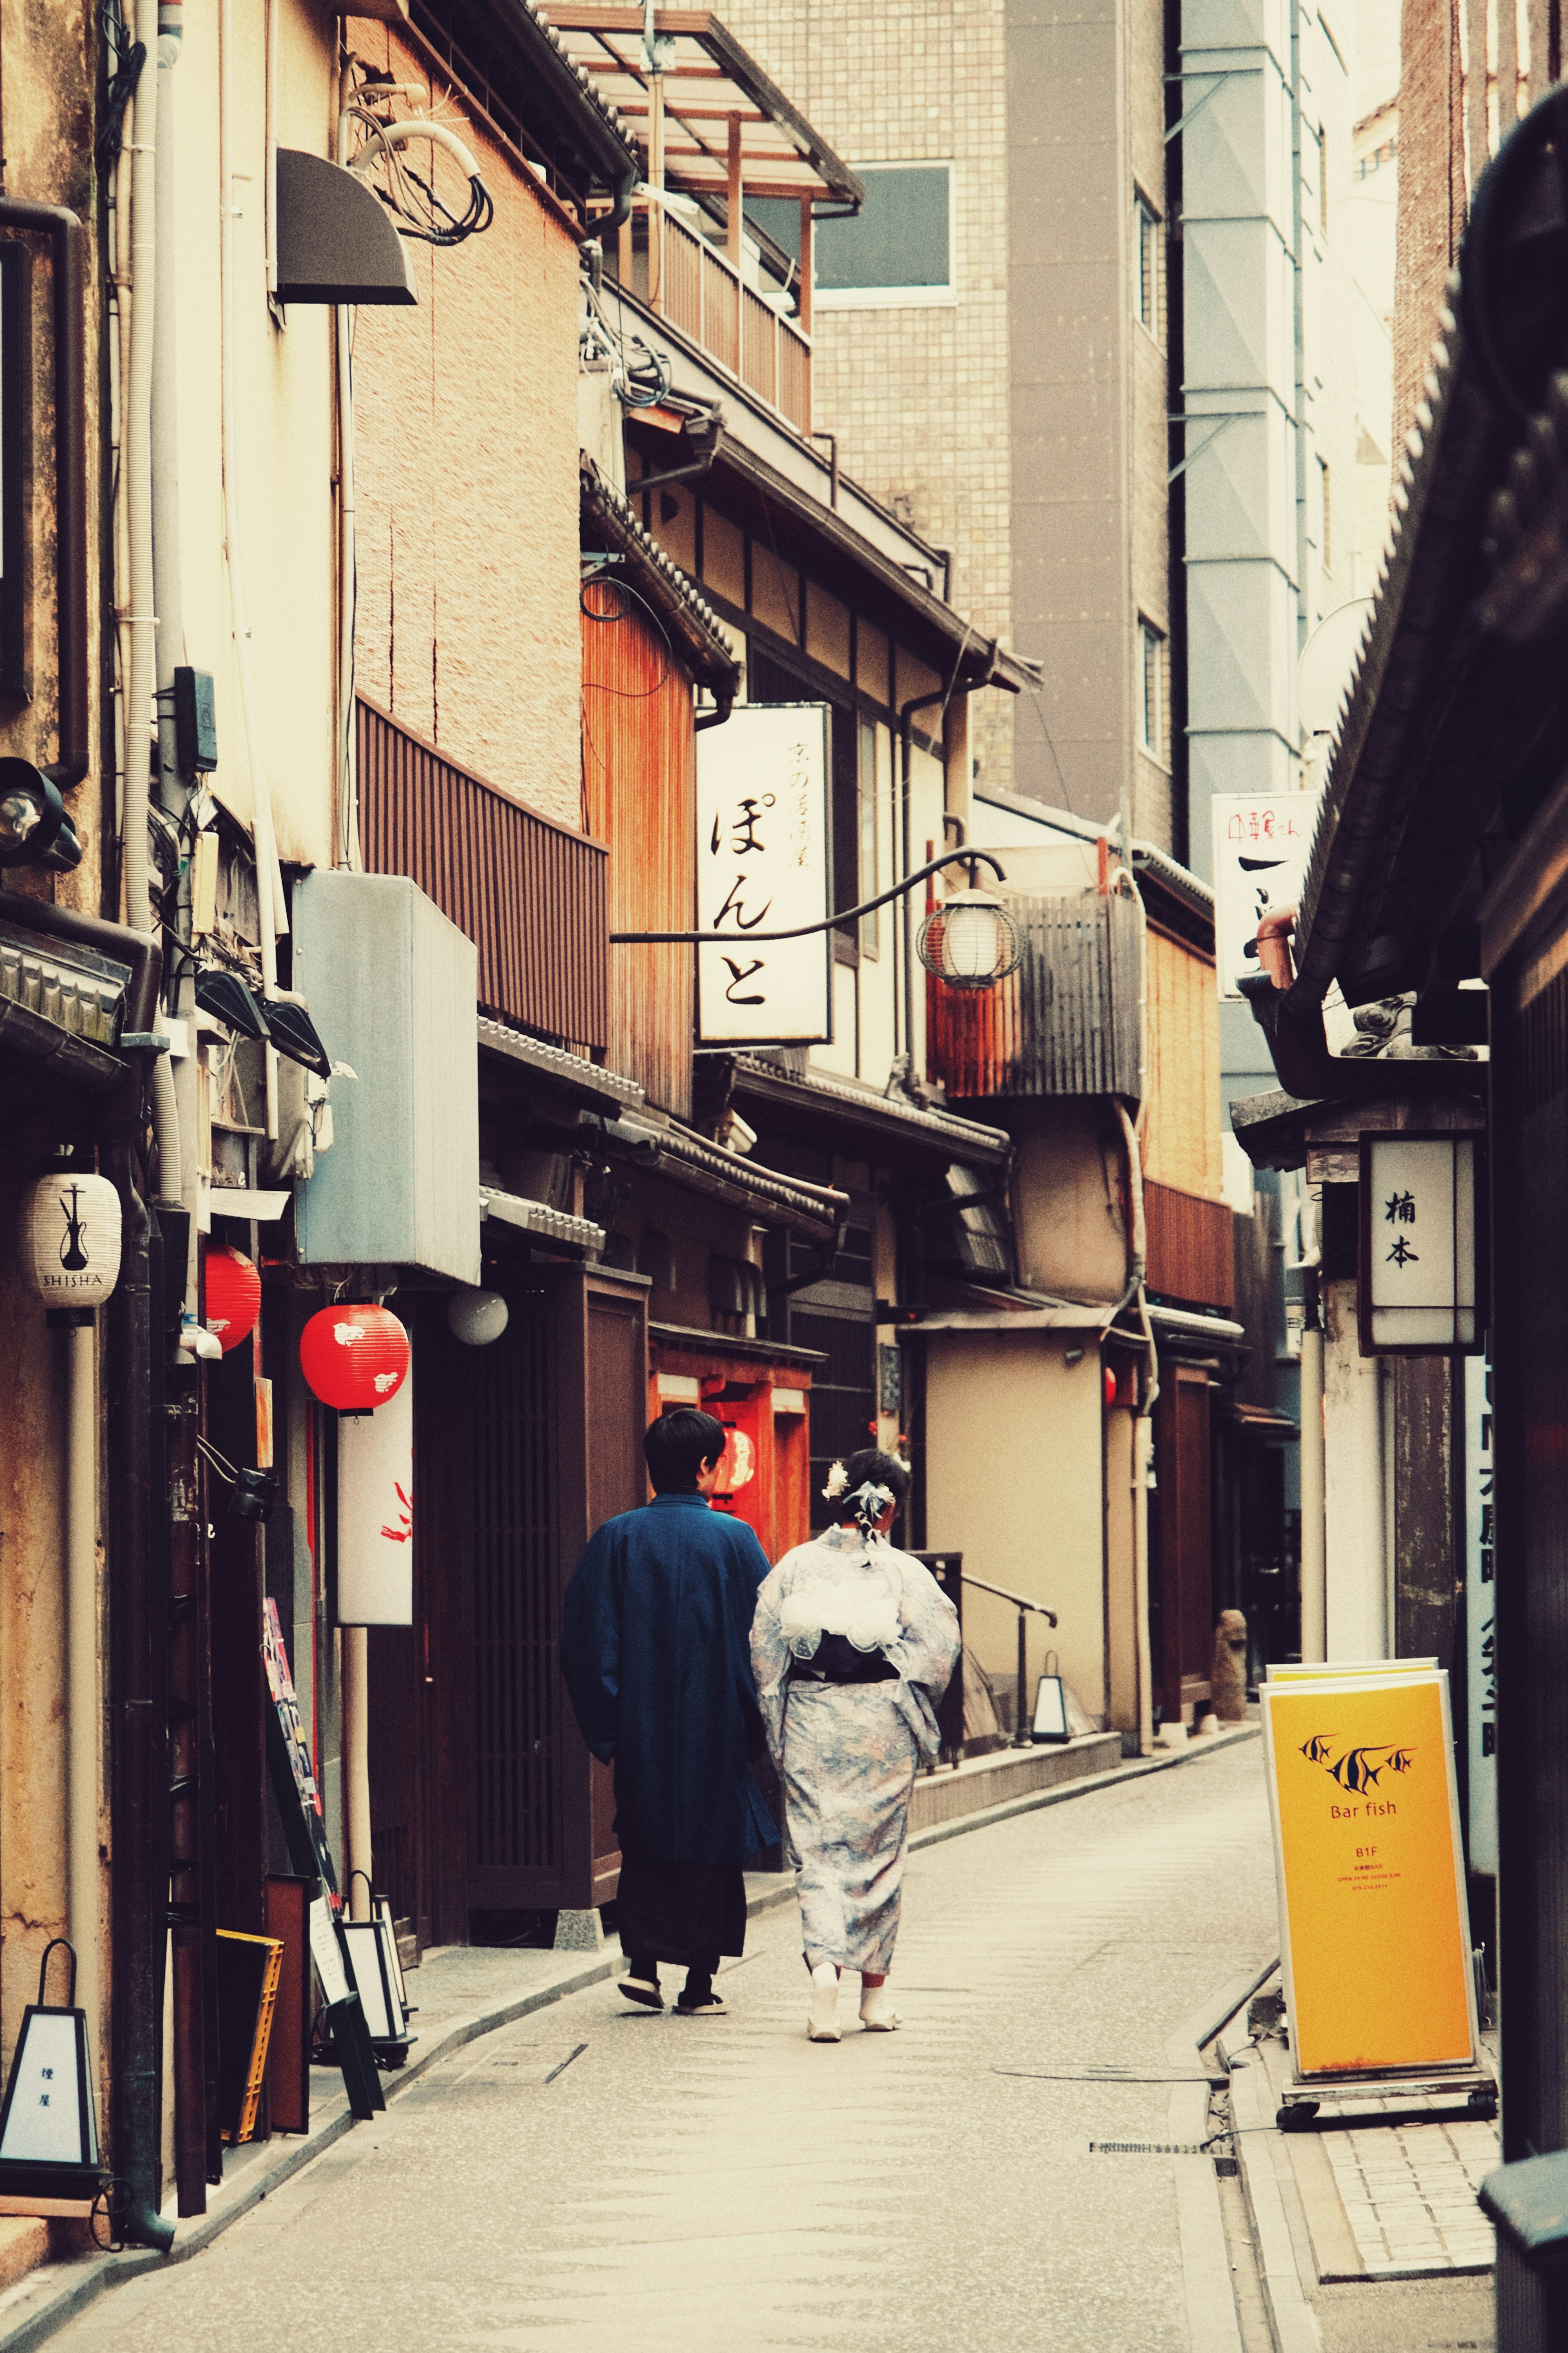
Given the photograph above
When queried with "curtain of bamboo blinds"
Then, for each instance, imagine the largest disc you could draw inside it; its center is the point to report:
(639, 786)
(1181, 1133)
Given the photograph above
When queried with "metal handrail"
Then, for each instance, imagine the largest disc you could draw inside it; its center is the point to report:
(1023, 1737)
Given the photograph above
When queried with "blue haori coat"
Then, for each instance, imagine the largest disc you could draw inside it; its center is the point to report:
(654, 1650)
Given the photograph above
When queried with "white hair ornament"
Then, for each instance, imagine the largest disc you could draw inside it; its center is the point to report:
(837, 1482)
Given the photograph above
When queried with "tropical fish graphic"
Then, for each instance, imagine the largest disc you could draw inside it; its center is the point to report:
(1357, 1768)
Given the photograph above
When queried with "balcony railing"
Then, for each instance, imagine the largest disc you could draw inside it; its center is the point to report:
(531, 894)
(695, 284)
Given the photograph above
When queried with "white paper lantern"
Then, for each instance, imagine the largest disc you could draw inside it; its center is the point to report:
(477, 1317)
(376, 1513)
(71, 1230)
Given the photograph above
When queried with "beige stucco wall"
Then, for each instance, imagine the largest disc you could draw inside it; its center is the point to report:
(283, 455)
(1012, 1475)
(466, 485)
(1068, 1199)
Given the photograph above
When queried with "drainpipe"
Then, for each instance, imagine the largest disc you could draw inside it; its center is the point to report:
(348, 849)
(139, 1774)
(1314, 1550)
(84, 1715)
(906, 740)
(271, 914)
(174, 1098)
(64, 230)
(137, 458)
(356, 1766)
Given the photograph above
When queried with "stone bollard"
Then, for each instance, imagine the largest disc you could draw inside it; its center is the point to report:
(1228, 1683)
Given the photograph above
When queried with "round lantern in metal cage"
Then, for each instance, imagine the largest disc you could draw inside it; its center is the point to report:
(970, 941)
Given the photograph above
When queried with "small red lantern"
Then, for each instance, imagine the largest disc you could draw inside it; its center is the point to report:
(354, 1358)
(1110, 1386)
(234, 1295)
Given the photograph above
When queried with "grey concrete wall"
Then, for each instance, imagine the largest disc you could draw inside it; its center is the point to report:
(1070, 196)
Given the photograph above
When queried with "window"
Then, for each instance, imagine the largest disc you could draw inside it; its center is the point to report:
(898, 248)
(1328, 518)
(869, 880)
(1151, 691)
(1147, 267)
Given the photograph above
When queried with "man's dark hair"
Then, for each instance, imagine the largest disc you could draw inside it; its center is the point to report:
(676, 1446)
(880, 1469)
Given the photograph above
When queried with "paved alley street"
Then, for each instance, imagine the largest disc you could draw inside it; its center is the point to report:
(683, 2184)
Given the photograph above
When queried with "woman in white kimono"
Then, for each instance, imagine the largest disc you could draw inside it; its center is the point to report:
(853, 1644)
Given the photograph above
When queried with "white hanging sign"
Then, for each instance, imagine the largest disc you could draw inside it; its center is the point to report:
(1418, 1287)
(376, 1513)
(763, 865)
(1481, 1618)
(1261, 843)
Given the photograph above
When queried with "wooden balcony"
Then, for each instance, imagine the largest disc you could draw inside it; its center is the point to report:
(696, 286)
(1191, 1252)
(531, 895)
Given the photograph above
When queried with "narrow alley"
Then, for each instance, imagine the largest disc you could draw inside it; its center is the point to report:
(692, 2184)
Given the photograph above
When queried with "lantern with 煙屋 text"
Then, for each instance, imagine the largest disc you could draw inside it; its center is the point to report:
(355, 1358)
(234, 1295)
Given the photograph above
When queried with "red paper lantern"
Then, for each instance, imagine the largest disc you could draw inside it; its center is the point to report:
(354, 1358)
(1110, 1386)
(234, 1295)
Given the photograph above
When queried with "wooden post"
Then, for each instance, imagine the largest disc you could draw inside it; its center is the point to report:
(807, 265)
(736, 197)
(656, 129)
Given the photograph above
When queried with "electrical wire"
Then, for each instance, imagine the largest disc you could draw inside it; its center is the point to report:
(624, 588)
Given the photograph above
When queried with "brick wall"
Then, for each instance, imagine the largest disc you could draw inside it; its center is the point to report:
(466, 447)
(919, 397)
(1431, 214)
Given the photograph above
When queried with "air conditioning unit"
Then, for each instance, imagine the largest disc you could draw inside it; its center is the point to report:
(392, 984)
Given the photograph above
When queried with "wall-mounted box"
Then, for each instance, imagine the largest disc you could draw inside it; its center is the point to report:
(391, 985)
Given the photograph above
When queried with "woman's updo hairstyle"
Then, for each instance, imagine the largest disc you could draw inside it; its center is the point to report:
(851, 1484)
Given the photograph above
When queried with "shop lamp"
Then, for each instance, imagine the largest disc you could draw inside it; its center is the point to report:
(296, 1037)
(35, 829)
(355, 1358)
(226, 996)
(1050, 1722)
(48, 2130)
(970, 941)
(477, 1317)
(234, 1295)
(71, 1226)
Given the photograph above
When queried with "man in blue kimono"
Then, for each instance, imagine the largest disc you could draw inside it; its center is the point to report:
(655, 1647)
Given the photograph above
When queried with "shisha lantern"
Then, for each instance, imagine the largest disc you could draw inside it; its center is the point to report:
(355, 1358)
(71, 1230)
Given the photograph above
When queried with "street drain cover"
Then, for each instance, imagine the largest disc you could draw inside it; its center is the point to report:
(1147, 2148)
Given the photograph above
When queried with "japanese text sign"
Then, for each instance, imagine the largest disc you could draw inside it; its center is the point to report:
(1417, 1286)
(1374, 1933)
(1261, 846)
(1481, 1616)
(761, 866)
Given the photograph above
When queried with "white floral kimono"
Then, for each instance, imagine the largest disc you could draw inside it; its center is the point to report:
(847, 1752)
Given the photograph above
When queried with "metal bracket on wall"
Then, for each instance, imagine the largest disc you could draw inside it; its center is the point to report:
(1217, 77)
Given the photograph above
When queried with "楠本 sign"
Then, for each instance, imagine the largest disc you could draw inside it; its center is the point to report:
(1261, 846)
(1418, 1287)
(763, 867)
(1374, 1924)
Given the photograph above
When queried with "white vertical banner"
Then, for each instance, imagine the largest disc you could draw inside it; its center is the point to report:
(1261, 843)
(375, 1512)
(763, 865)
(1480, 1620)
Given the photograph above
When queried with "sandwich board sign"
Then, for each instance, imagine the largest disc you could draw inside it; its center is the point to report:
(1374, 1923)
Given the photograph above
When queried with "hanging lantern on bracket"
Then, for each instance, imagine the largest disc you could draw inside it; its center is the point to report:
(234, 1295)
(970, 941)
(71, 1226)
(355, 1358)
